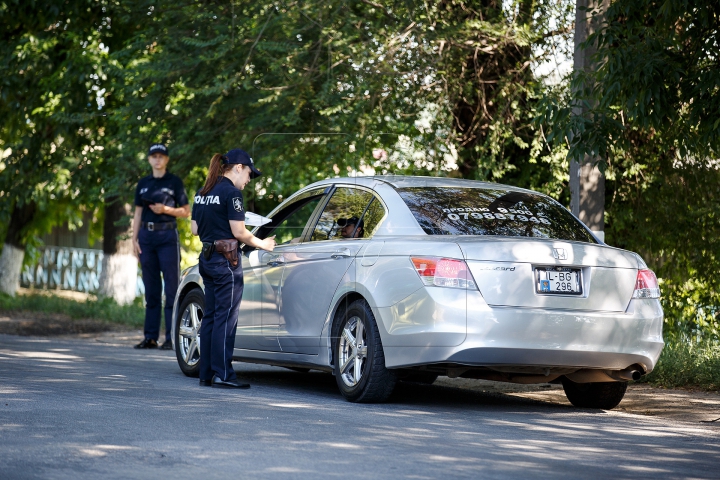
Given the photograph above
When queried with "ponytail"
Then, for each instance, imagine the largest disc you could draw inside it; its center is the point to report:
(216, 170)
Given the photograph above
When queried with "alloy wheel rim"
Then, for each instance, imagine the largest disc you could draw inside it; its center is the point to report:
(352, 351)
(190, 334)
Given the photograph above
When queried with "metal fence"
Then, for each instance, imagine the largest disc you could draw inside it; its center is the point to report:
(64, 268)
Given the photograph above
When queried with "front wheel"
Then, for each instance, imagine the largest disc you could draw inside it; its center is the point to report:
(600, 395)
(187, 332)
(358, 357)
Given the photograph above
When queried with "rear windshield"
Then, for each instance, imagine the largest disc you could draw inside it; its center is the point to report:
(481, 211)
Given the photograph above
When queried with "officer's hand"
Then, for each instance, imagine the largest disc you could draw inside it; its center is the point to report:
(136, 247)
(158, 208)
(269, 244)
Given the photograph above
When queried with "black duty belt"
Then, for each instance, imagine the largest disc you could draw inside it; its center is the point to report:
(152, 226)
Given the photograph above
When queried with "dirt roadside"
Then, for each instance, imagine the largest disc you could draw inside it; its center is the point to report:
(690, 406)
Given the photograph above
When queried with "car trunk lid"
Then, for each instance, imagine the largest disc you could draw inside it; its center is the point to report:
(505, 272)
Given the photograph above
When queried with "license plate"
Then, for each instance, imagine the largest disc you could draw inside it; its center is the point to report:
(558, 280)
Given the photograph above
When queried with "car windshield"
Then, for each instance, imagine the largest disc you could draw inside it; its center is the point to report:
(488, 211)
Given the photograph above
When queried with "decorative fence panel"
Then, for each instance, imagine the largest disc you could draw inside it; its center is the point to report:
(64, 268)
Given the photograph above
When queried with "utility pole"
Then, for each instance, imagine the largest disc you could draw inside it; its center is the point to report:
(587, 183)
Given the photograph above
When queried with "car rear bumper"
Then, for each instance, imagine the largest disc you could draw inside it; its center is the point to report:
(529, 337)
(508, 357)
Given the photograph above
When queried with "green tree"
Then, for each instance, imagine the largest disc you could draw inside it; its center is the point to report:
(451, 80)
(50, 67)
(653, 111)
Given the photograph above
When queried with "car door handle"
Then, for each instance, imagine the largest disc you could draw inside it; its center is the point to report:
(276, 261)
(341, 253)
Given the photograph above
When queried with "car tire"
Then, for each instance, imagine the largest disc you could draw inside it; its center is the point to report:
(359, 365)
(187, 332)
(601, 395)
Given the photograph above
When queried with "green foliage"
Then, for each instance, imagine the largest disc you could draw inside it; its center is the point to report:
(104, 310)
(650, 111)
(54, 55)
(688, 364)
(656, 78)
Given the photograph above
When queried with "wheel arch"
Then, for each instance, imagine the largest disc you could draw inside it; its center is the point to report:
(343, 302)
(179, 298)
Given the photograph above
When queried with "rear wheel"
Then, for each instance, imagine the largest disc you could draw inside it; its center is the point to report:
(359, 360)
(602, 395)
(187, 332)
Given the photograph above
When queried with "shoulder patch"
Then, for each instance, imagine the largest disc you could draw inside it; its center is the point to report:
(237, 204)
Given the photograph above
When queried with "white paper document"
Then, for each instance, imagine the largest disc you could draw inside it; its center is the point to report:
(255, 220)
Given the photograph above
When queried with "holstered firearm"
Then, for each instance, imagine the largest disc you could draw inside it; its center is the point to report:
(229, 249)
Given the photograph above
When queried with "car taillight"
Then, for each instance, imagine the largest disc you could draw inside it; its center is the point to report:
(443, 272)
(646, 285)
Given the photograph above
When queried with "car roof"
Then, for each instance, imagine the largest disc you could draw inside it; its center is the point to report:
(404, 181)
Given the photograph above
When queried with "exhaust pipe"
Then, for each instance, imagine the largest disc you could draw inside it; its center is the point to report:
(625, 375)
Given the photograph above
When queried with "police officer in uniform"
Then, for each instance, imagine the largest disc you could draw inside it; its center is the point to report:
(218, 217)
(159, 199)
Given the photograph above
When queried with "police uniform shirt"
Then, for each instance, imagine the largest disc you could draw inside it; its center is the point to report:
(167, 190)
(213, 211)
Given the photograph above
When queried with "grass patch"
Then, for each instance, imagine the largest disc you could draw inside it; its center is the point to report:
(105, 310)
(684, 364)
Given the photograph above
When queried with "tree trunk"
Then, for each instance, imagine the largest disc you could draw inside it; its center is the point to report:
(13, 253)
(587, 183)
(118, 279)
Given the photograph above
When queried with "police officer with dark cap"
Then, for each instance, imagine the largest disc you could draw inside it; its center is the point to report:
(159, 199)
(218, 217)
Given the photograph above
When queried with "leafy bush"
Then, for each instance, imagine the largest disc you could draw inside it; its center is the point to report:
(688, 364)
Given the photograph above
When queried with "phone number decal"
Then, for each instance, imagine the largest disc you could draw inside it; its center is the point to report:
(457, 214)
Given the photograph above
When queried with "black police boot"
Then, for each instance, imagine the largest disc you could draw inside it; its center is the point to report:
(147, 343)
(217, 383)
(166, 346)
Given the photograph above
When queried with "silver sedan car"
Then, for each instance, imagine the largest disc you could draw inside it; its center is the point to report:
(392, 278)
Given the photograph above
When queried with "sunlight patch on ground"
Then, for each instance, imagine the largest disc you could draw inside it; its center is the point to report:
(283, 470)
(41, 355)
(346, 446)
(641, 469)
(292, 405)
(103, 450)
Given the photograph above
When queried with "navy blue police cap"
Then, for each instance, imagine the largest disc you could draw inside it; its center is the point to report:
(158, 148)
(237, 156)
(158, 197)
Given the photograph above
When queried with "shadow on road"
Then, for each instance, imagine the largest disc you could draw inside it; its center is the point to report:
(322, 384)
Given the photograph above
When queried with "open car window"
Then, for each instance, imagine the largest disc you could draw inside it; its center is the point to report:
(343, 216)
(487, 211)
(289, 223)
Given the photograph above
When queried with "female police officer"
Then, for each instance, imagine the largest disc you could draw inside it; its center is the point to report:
(159, 199)
(218, 216)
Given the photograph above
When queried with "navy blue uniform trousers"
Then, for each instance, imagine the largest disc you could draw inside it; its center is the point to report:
(223, 292)
(160, 253)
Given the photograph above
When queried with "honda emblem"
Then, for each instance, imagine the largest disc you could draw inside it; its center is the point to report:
(559, 253)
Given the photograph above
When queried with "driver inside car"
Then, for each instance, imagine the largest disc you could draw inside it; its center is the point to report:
(348, 227)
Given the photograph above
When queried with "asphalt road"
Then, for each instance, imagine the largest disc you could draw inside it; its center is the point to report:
(80, 409)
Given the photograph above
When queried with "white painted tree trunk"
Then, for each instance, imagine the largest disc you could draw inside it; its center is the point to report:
(118, 279)
(11, 261)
